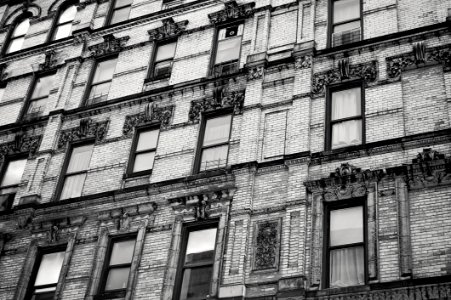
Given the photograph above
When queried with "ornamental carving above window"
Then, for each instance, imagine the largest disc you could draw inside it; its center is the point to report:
(151, 113)
(169, 29)
(21, 144)
(87, 129)
(110, 45)
(366, 72)
(232, 11)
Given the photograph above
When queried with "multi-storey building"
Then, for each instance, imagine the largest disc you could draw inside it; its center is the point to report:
(187, 150)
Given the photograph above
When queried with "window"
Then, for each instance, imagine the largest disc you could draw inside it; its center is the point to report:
(164, 56)
(215, 143)
(39, 96)
(345, 118)
(77, 167)
(196, 263)
(12, 174)
(18, 36)
(101, 81)
(143, 153)
(228, 50)
(346, 24)
(346, 246)
(117, 269)
(120, 11)
(2, 91)
(64, 24)
(45, 275)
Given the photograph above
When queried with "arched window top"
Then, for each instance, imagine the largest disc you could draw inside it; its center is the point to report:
(64, 24)
(18, 36)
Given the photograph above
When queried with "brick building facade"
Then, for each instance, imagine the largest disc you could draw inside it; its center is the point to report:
(209, 149)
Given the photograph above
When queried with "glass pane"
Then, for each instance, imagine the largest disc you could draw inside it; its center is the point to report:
(120, 15)
(353, 28)
(50, 268)
(120, 3)
(201, 245)
(63, 31)
(144, 161)
(347, 133)
(346, 226)
(21, 28)
(347, 267)
(231, 31)
(346, 10)
(117, 279)
(105, 70)
(80, 158)
(99, 92)
(6, 201)
(122, 252)
(163, 68)
(43, 86)
(68, 15)
(2, 92)
(15, 45)
(217, 130)
(44, 296)
(228, 49)
(346, 104)
(196, 283)
(165, 52)
(37, 106)
(213, 158)
(73, 186)
(14, 172)
(147, 140)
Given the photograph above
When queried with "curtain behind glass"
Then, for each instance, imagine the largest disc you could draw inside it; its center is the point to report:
(347, 267)
(347, 133)
(346, 104)
(217, 130)
(73, 186)
(80, 158)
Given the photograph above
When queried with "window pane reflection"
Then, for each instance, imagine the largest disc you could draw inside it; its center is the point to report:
(117, 279)
(201, 245)
(196, 283)
(50, 268)
(14, 172)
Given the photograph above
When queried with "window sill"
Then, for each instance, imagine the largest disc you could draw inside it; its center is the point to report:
(209, 173)
(137, 174)
(157, 78)
(343, 290)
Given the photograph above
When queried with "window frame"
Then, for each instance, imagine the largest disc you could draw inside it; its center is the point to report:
(37, 263)
(13, 187)
(186, 229)
(30, 92)
(331, 23)
(10, 33)
(329, 123)
(106, 266)
(55, 24)
(200, 148)
(150, 73)
(133, 152)
(216, 43)
(111, 11)
(63, 174)
(342, 204)
(91, 79)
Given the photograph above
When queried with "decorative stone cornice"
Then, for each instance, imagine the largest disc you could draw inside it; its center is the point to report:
(170, 29)
(150, 114)
(49, 61)
(87, 129)
(109, 45)
(232, 11)
(303, 62)
(255, 73)
(204, 205)
(55, 229)
(366, 72)
(419, 57)
(122, 218)
(21, 144)
(222, 98)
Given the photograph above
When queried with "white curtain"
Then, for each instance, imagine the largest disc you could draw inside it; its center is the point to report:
(347, 133)
(73, 185)
(346, 104)
(217, 130)
(80, 158)
(347, 267)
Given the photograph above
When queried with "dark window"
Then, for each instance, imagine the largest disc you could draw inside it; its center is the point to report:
(346, 246)
(101, 81)
(45, 275)
(12, 172)
(215, 143)
(40, 94)
(144, 149)
(120, 11)
(345, 117)
(64, 24)
(346, 24)
(196, 269)
(118, 264)
(164, 56)
(17, 37)
(75, 173)
(228, 50)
